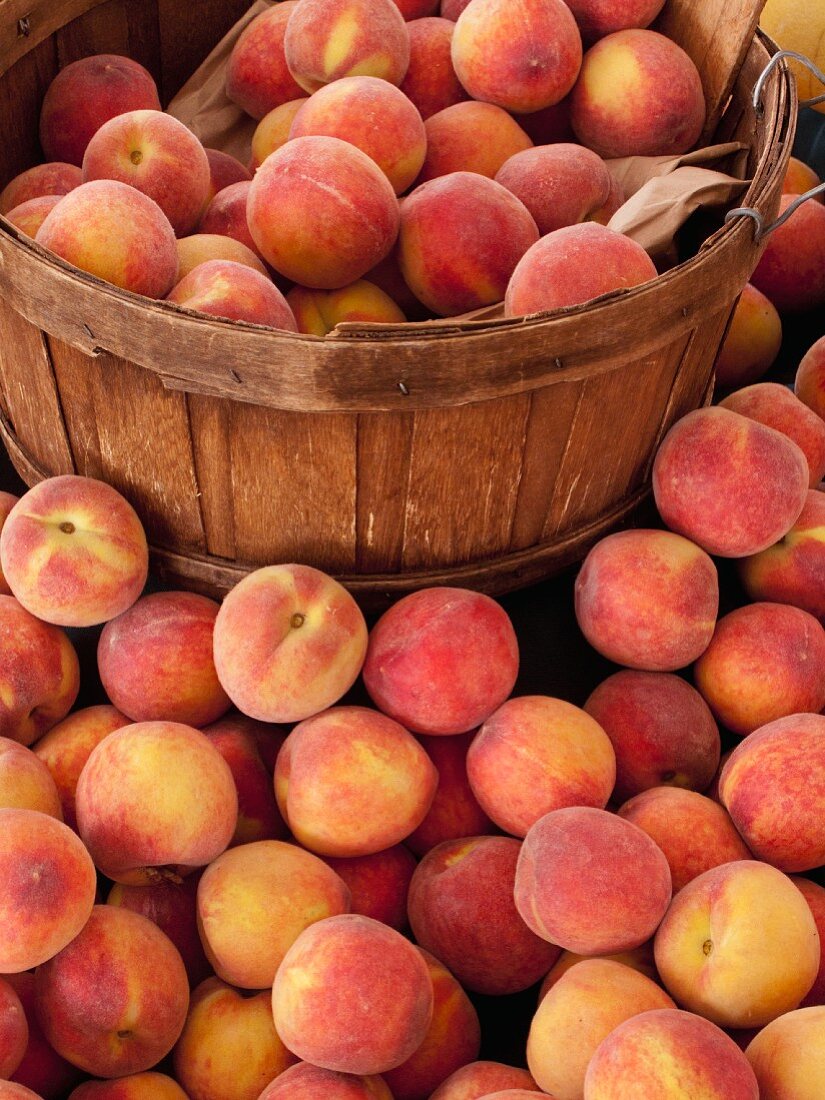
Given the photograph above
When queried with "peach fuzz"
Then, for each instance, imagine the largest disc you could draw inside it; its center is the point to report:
(86, 94)
(814, 894)
(461, 237)
(273, 131)
(115, 233)
(326, 40)
(289, 642)
(253, 903)
(48, 888)
(42, 1069)
(591, 882)
(470, 137)
(158, 156)
(39, 674)
(461, 909)
(638, 94)
(730, 484)
(67, 746)
(662, 731)
(431, 83)
(441, 660)
(229, 1046)
(791, 271)
(235, 292)
(773, 404)
(25, 782)
(351, 781)
(317, 312)
(751, 343)
(455, 811)
(378, 884)
(135, 1086)
(480, 1078)
(693, 831)
(452, 1040)
(639, 959)
(154, 799)
(788, 1056)
(793, 570)
(353, 996)
(799, 178)
(581, 1010)
(738, 945)
(10, 1090)
(598, 18)
(74, 552)
(225, 216)
(307, 1082)
(114, 1000)
(773, 786)
(536, 754)
(29, 216)
(155, 660)
(809, 383)
(574, 265)
(7, 502)
(647, 599)
(14, 1030)
(560, 184)
(224, 170)
(202, 247)
(765, 661)
(257, 76)
(53, 178)
(669, 1053)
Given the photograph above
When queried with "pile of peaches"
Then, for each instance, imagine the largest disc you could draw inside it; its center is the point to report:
(406, 164)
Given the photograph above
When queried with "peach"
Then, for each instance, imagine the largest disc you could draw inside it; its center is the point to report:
(321, 211)
(470, 137)
(536, 754)
(669, 1053)
(172, 907)
(29, 216)
(224, 170)
(42, 1069)
(647, 599)
(799, 178)
(511, 1094)
(114, 1000)
(39, 674)
(289, 642)
(372, 115)
(10, 1090)
(559, 184)
(48, 888)
(765, 661)
(615, 200)
(86, 94)
(773, 788)
(307, 1082)
(225, 216)
(591, 882)
(273, 131)
(441, 660)
(26, 783)
(257, 76)
(478, 1078)
(54, 178)
(67, 746)
(791, 271)
(158, 156)
(773, 404)
(581, 1010)
(731, 485)
(135, 1086)
(155, 799)
(7, 502)
(752, 341)
(351, 782)
(202, 247)
(809, 383)
(155, 660)
(74, 552)
(236, 292)
(229, 1048)
(246, 746)
(115, 233)
(815, 897)
(329, 39)
(788, 1056)
(694, 832)
(639, 959)
(452, 1040)
(386, 275)
(455, 811)
(431, 83)
(574, 265)
(738, 945)
(14, 1030)
(353, 996)
(597, 18)
(638, 94)
(461, 909)
(378, 884)
(317, 312)
(661, 729)
(255, 900)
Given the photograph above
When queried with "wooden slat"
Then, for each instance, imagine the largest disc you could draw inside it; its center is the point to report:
(384, 447)
(211, 422)
(126, 27)
(187, 34)
(21, 95)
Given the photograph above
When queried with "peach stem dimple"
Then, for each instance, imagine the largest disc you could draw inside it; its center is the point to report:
(707, 947)
(67, 527)
(136, 156)
(297, 620)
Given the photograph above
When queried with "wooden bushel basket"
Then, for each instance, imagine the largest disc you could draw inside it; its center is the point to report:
(485, 454)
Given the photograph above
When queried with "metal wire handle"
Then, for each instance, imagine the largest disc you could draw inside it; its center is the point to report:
(780, 55)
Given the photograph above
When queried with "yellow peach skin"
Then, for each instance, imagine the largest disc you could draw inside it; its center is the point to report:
(273, 130)
(481, 1078)
(135, 1086)
(201, 247)
(752, 341)
(640, 958)
(788, 1056)
(319, 311)
(25, 781)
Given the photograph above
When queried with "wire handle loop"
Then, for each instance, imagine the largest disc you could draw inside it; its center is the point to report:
(763, 230)
(780, 55)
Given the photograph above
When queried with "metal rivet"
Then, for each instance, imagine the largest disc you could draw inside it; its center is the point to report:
(404, 389)
(558, 363)
(236, 376)
(24, 27)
